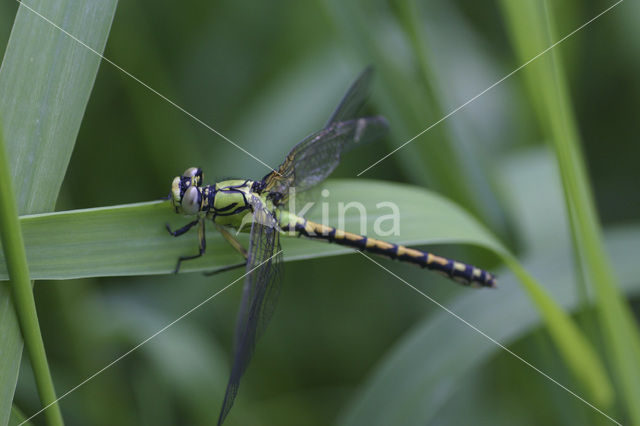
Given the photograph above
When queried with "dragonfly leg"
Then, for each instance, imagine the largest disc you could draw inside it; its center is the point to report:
(201, 237)
(236, 245)
(231, 240)
(226, 268)
(182, 230)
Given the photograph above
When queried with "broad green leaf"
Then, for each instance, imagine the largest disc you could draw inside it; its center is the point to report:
(45, 81)
(132, 239)
(435, 358)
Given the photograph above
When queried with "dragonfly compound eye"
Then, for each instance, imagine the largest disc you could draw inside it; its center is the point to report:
(194, 175)
(191, 201)
(175, 191)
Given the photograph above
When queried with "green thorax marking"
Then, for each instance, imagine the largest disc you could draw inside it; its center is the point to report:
(231, 202)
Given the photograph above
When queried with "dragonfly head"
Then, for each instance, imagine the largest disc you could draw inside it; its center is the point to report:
(186, 191)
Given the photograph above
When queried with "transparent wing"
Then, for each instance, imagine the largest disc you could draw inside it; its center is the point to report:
(316, 156)
(313, 159)
(259, 297)
(355, 98)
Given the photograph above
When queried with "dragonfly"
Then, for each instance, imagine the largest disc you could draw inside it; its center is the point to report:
(233, 204)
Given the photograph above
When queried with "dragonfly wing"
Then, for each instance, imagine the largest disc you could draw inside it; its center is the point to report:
(259, 297)
(355, 98)
(314, 158)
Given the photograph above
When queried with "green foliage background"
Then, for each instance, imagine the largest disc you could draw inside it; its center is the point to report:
(350, 344)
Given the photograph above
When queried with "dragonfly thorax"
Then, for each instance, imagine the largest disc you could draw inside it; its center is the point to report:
(230, 202)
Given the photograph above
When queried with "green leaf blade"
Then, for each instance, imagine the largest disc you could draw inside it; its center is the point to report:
(132, 239)
(45, 81)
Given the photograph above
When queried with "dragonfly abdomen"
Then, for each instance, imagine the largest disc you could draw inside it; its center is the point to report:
(461, 272)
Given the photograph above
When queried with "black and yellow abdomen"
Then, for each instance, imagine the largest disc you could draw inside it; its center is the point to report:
(458, 271)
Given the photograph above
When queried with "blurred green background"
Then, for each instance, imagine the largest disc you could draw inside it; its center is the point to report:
(265, 74)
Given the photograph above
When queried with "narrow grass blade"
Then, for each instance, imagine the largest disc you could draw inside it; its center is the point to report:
(530, 26)
(22, 296)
